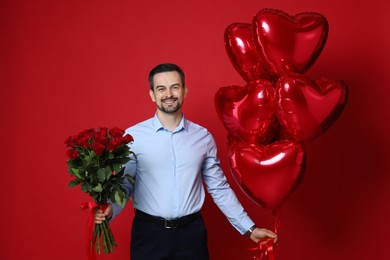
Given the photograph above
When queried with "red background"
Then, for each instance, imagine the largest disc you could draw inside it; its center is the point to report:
(69, 65)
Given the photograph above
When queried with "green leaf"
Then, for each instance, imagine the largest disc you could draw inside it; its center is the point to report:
(89, 157)
(117, 198)
(101, 174)
(117, 167)
(120, 198)
(86, 187)
(121, 149)
(112, 196)
(119, 160)
(79, 175)
(74, 163)
(74, 183)
(130, 179)
(108, 172)
(98, 188)
(74, 171)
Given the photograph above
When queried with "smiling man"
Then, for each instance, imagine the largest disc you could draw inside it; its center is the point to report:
(168, 93)
(174, 158)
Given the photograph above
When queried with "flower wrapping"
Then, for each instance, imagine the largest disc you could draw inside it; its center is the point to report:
(95, 162)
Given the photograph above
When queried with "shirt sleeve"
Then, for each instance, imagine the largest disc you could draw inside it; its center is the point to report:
(220, 190)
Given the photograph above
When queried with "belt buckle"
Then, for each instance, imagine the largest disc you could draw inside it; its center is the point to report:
(167, 225)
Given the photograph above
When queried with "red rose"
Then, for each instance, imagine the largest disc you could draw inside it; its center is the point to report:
(72, 154)
(100, 133)
(127, 139)
(83, 141)
(100, 137)
(103, 130)
(88, 133)
(112, 145)
(98, 148)
(69, 141)
(115, 132)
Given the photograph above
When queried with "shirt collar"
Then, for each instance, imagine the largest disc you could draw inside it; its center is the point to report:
(158, 126)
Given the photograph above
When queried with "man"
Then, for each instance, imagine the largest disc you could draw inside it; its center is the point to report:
(173, 157)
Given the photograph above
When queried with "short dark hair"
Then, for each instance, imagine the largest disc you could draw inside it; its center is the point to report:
(165, 67)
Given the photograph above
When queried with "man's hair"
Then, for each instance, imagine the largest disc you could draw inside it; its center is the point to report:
(165, 67)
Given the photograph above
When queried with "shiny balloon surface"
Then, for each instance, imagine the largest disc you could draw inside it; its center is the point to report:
(248, 113)
(308, 107)
(289, 43)
(267, 174)
(243, 53)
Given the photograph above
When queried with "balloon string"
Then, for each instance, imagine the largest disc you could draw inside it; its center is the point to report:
(277, 219)
(266, 248)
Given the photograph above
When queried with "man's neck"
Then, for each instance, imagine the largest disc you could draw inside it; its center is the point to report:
(170, 121)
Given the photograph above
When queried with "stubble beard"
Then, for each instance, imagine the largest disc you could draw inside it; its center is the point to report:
(169, 109)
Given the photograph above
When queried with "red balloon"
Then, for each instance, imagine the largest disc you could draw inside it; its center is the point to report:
(243, 53)
(289, 43)
(248, 113)
(307, 108)
(267, 174)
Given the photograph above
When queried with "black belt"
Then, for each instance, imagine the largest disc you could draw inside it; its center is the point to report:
(168, 223)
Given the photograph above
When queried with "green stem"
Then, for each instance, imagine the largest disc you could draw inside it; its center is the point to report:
(104, 239)
(111, 235)
(95, 234)
(108, 237)
(97, 241)
(107, 241)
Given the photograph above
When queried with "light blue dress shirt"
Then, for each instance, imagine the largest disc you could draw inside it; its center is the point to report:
(169, 169)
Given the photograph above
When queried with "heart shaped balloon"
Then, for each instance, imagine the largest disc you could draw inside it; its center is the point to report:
(243, 53)
(267, 174)
(248, 113)
(307, 108)
(289, 43)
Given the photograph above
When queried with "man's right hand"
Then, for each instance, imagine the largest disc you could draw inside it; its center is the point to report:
(260, 234)
(100, 216)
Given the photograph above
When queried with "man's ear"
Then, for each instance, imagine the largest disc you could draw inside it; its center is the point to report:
(151, 94)
(185, 91)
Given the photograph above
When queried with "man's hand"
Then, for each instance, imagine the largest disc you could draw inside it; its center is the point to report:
(100, 216)
(262, 234)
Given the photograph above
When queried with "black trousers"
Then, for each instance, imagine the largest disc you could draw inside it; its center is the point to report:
(150, 241)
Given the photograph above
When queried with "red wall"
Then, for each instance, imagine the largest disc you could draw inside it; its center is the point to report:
(69, 65)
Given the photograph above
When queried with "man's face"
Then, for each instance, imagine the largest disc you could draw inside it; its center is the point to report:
(169, 92)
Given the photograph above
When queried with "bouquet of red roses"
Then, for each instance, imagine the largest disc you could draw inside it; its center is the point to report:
(96, 159)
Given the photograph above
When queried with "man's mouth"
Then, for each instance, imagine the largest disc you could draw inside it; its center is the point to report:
(169, 101)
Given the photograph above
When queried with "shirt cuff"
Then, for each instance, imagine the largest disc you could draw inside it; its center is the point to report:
(116, 209)
(246, 224)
